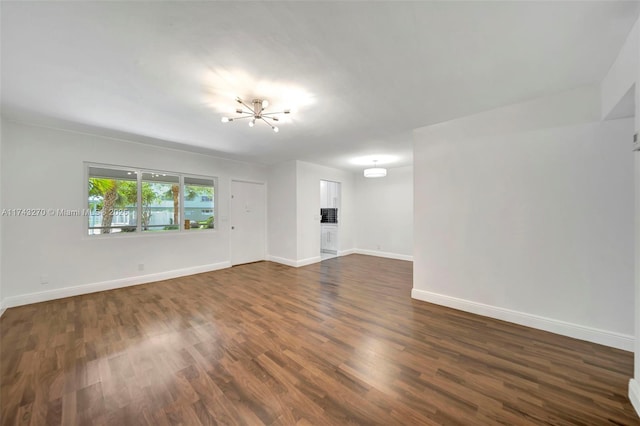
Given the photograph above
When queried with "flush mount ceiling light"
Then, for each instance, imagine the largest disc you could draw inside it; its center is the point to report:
(375, 172)
(254, 112)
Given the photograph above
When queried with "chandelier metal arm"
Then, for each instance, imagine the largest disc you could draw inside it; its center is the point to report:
(240, 101)
(268, 124)
(254, 115)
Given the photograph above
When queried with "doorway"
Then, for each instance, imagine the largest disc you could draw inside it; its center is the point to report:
(330, 200)
(247, 214)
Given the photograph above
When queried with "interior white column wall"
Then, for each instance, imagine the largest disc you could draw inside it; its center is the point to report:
(43, 168)
(309, 176)
(523, 213)
(282, 205)
(1, 221)
(384, 208)
(636, 395)
(622, 82)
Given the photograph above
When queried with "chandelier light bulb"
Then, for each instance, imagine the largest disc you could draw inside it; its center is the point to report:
(275, 129)
(225, 119)
(252, 122)
(265, 103)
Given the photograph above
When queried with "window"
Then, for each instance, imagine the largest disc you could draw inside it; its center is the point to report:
(160, 202)
(122, 199)
(198, 203)
(113, 200)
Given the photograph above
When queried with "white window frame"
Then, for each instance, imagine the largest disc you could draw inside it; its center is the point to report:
(215, 199)
(139, 171)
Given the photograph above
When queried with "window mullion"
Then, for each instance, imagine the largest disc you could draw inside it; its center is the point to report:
(181, 203)
(140, 207)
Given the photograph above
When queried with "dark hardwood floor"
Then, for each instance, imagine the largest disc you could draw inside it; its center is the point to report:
(335, 343)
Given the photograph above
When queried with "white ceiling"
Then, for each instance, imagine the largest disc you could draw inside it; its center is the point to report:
(360, 75)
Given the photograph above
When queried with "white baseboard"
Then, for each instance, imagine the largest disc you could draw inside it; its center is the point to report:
(346, 252)
(590, 334)
(2, 308)
(284, 261)
(384, 254)
(316, 259)
(308, 261)
(294, 263)
(43, 296)
(634, 394)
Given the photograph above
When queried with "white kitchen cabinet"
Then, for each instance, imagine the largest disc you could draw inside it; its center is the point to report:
(332, 194)
(324, 194)
(329, 194)
(329, 240)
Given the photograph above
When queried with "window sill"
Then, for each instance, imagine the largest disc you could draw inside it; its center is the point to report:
(147, 234)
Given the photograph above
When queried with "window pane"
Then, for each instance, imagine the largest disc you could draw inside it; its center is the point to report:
(198, 203)
(113, 198)
(160, 202)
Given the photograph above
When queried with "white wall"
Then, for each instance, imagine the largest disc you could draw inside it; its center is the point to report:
(308, 213)
(622, 74)
(637, 212)
(634, 386)
(43, 168)
(282, 213)
(620, 84)
(1, 222)
(375, 215)
(384, 208)
(521, 217)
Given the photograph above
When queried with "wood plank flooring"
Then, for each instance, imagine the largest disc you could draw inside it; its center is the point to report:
(335, 343)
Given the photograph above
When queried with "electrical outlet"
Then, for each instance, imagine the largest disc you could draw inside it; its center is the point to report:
(140, 266)
(44, 279)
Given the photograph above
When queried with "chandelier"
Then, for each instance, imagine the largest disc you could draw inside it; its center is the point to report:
(255, 112)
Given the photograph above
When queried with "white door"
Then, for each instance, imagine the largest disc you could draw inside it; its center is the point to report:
(247, 214)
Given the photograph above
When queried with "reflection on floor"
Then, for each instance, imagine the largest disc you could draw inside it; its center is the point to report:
(326, 256)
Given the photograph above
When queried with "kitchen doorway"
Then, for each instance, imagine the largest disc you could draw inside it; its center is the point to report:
(329, 219)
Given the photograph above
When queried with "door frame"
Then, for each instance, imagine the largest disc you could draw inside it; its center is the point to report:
(339, 207)
(266, 214)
